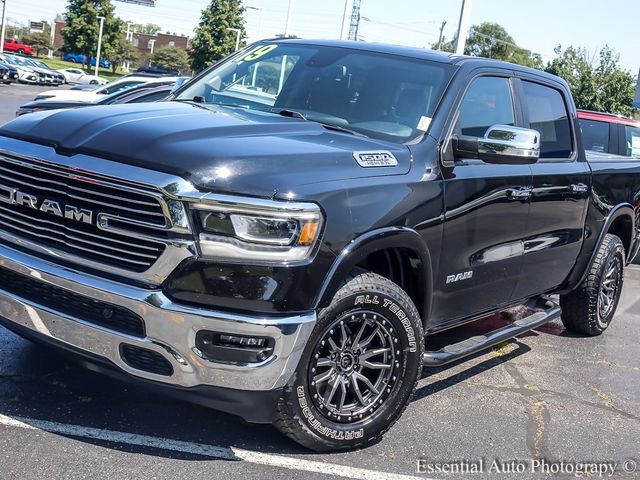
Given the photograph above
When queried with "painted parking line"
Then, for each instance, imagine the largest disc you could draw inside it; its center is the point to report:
(211, 451)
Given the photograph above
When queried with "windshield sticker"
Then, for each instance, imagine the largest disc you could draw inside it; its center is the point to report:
(258, 52)
(375, 159)
(423, 124)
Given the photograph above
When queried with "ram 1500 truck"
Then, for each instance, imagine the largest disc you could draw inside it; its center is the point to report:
(281, 239)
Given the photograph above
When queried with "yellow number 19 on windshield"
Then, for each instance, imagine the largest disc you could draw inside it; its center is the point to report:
(258, 52)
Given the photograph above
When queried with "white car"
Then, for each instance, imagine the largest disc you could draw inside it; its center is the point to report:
(91, 95)
(76, 75)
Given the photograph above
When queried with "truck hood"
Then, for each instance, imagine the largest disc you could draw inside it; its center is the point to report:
(216, 148)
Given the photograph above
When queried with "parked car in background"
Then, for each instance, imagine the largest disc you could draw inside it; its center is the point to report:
(79, 76)
(79, 58)
(180, 82)
(153, 69)
(143, 93)
(57, 77)
(12, 45)
(26, 74)
(12, 74)
(43, 74)
(88, 96)
(609, 133)
(86, 87)
(4, 73)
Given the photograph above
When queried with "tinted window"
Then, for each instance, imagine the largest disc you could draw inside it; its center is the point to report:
(548, 115)
(488, 102)
(151, 97)
(632, 135)
(595, 135)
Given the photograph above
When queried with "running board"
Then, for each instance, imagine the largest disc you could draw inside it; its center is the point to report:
(451, 353)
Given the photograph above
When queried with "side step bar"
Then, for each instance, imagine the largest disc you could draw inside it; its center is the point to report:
(548, 311)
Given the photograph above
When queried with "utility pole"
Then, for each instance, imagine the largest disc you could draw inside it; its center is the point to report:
(441, 36)
(287, 27)
(346, 17)
(463, 26)
(99, 45)
(4, 24)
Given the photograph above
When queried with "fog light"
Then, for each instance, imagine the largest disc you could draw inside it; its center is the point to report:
(243, 341)
(231, 348)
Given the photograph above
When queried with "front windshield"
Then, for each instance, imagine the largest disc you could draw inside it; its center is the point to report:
(379, 95)
(40, 64)
(14, 61)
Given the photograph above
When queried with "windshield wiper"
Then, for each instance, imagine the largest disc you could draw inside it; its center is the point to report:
(338, 128)
(287, 113)
(329, 126)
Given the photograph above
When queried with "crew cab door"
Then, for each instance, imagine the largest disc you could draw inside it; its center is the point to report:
(485, 217)
(561, 188)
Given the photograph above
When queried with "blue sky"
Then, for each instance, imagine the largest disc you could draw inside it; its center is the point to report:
(538, 25)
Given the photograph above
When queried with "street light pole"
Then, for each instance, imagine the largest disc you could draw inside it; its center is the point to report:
(237, 30)
(261, 10)
(99, 45)
(346, 19)
(53, 38)
(4, 25)
(287, 27)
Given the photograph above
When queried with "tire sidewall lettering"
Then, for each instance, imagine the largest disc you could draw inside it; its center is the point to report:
(317, 425)
(394, 309)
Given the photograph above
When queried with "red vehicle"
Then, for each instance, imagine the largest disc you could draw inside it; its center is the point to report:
(609, 133)
(11, 45)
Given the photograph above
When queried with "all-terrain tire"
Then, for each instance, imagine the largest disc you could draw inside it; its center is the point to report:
(584, 310)
(305, 416)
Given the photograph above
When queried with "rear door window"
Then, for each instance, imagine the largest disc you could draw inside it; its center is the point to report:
(548, 115)
(632, 140)
(595, 135)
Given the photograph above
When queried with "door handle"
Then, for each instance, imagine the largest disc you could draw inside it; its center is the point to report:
(578, 188)
(519, 194)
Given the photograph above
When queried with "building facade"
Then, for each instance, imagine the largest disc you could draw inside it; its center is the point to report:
(145, 43)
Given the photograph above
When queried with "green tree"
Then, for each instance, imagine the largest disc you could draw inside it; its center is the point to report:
(491, 40)
(598, 84)
(40, 41)
(146, 28)
(83, 27)
(171, 58)
(213, 39)
(124, 52)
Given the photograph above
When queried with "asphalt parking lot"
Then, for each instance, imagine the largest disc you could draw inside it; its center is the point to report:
(546, 395)
(14, 95)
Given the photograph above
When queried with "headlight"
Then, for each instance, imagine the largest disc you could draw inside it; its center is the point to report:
(259, 231)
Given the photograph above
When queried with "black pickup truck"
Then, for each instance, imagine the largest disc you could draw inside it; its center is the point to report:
(281, 239)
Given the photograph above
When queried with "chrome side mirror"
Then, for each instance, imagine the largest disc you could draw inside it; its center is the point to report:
(501, 144)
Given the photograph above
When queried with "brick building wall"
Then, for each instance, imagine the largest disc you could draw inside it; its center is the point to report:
(141, 40)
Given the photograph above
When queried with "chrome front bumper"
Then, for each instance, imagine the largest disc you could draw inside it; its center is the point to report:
(170, 328)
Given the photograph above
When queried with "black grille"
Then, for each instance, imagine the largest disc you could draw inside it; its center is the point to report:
(144, 359)
(81, 190)
(78, 306)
